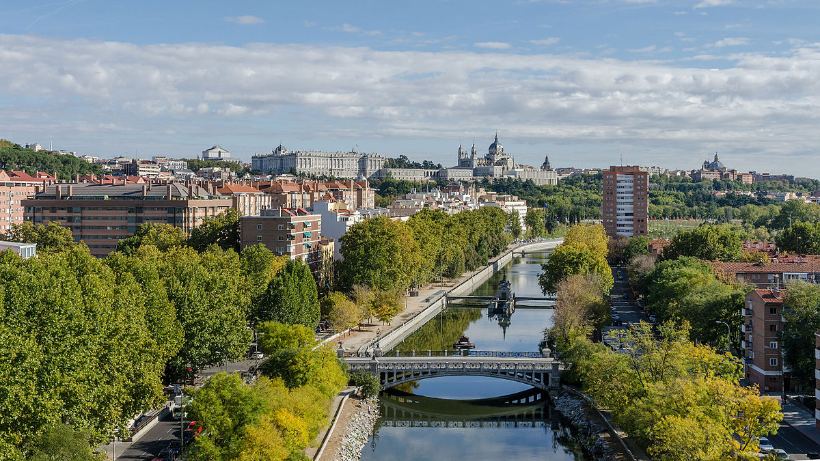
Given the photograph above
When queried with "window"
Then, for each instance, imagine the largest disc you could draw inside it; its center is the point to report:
(773, 327)
(772, 362)
(772, 344)
(258, 238)
(258, 227)
(773, 310)
(280, 227)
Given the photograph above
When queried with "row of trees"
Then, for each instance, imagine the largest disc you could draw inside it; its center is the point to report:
(679, 400)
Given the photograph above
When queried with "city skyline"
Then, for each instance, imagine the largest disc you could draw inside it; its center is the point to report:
(700, 77)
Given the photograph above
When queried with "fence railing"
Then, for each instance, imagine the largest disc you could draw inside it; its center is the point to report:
(453, 353)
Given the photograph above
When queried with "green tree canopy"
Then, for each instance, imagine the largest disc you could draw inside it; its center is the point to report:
(800, 237)
(291, 297)
(48, 237)
(65, 167)
(222, 230)
(61, 442)
(380, 253)
(802, 314)
(569, 259)
(161, 235)
(721, 242)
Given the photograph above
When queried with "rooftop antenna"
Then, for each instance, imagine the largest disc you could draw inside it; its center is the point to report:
(622, 159)
(50, 143)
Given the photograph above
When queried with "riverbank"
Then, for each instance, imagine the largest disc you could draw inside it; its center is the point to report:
(354, 426)
(592, 430)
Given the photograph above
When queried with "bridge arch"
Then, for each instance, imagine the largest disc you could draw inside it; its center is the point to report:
(534, 379)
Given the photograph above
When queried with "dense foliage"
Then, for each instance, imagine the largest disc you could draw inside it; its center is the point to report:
(584, 251)
(48, 237)
(802, 314)
(403, 162)
(196, 164)
(709, 242)
(687, 290)
(680, 400)
(64, 166)
(222, 230)
(279, 415)
(291, 297)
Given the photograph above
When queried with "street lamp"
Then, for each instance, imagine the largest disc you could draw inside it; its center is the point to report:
(728, 333)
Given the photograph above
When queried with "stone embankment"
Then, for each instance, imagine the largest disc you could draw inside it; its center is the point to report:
(591, 433)
(358, 430)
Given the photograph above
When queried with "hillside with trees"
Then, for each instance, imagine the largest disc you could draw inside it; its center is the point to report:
(65, 166)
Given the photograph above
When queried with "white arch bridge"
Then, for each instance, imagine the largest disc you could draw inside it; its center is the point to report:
(523, 367)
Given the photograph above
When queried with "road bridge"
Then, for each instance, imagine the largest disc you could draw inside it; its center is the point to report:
(523, 367)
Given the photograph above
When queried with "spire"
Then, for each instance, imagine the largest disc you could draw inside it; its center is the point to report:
(546, 165)
(716, 157)
(496, 136)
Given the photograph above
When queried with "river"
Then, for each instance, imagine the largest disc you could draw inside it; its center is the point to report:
(475, 418)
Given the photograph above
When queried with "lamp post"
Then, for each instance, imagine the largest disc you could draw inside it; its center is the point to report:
(728, 333)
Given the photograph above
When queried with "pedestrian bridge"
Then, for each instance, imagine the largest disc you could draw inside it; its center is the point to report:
(524, 367)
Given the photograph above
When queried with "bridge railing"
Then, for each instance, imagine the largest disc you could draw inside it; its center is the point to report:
(454, 353)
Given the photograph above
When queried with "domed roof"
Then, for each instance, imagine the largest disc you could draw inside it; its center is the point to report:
(715, 164)
(496, 146)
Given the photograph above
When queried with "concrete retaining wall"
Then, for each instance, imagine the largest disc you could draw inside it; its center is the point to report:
(437, 304)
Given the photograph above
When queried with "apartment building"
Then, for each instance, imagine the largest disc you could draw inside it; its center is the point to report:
(294, 232)
(336, 220)
(302, 194)
(102, 214)
(775, 274)
(142, 168)
(817, 379)
(625, 207)
(247, 200)
(760, 339)
(16, 186)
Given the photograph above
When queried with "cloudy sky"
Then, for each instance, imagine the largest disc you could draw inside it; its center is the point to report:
(661, 82)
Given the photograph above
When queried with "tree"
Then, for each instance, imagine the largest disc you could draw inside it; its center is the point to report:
(801, 309)
(535, 219)
(580, 303)
(48, 237)
(211, 303)
(291, 297)
(60, 442)
(64, 167)
(514, 223)
(368, 382)
(222, 230)
(801, 238)
(380, 253)
(363, 296)
(275, 337)
(428, 229)
(344, 313)
(387, 304)
(794, 211)
(686, 289)
(161, 235)
(636, 246)
(259, 265)
(709, 242)
(569, 259)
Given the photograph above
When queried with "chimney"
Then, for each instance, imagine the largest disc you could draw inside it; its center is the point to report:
(168, 191)
(58, 191)
(70, 191)
(144, 189)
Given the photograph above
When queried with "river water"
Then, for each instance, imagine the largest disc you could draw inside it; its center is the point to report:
(475, 418)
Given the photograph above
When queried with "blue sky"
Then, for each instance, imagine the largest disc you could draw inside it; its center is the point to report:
(659, 82)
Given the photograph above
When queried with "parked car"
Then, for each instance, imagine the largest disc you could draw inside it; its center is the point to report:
(780, 453)
(257, 355)
(765, 445)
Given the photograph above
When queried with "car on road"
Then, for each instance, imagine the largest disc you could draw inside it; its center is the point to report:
(765, 445)
(780, 453)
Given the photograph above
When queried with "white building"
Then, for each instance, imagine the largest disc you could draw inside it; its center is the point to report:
(219, 153)
(336, 220)
(508, 203)
(24, 250)
(347, 165)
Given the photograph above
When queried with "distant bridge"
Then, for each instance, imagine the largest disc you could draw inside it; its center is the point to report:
(523, 367)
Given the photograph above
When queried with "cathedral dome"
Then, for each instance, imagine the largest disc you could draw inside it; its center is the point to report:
(496, 146)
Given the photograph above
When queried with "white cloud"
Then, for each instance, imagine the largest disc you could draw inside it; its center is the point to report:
(766, 105)
(244, 20)
(713, 3)
(493, 45)
(351, 29)
(549, 41)
(731, 41)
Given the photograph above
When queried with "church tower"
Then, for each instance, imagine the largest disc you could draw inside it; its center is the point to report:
(546, 165)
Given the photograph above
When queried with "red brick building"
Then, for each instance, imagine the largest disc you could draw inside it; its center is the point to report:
(774, 274)
(294, 232)
(102, 214)
(16, 186)
(625, 207)
(760, 339)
